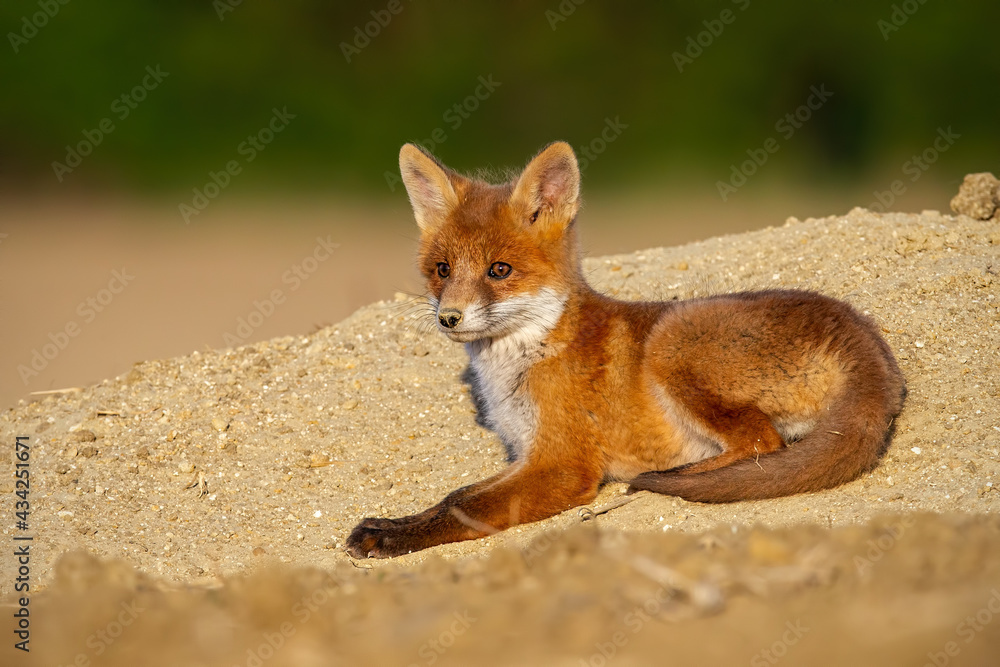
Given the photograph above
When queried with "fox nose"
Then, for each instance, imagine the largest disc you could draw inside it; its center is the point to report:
(449, 317)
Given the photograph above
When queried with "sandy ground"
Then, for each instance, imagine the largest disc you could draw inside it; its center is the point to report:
(172, 484)
(192, 284)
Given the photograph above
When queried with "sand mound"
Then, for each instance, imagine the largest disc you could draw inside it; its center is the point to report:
(199, 469)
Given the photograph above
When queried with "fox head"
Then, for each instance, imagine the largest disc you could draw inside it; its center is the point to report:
(498, 259)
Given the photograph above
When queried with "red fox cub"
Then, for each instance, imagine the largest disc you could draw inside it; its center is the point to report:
(733, 397)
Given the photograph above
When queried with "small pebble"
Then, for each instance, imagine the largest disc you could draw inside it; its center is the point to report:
(83, 435)
(319, 461)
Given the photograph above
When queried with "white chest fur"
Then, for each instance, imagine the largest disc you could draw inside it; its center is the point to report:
(500, 367)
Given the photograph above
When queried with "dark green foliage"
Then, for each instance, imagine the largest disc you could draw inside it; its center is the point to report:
(606, 60)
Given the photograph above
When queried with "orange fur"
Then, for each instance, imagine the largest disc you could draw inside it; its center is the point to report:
(734, 397)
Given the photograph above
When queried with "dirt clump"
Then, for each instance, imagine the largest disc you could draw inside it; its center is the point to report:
(890, 592)
(979, 196)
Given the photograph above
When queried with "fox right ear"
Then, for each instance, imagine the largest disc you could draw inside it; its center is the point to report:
(550, 184)
(429, 186)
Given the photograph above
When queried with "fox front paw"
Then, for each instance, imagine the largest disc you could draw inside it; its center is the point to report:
(382, 538)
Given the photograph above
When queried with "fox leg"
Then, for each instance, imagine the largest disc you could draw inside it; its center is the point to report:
(745, 433)
(523, 493)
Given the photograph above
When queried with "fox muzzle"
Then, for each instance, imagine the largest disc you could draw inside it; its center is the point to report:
(449, 317)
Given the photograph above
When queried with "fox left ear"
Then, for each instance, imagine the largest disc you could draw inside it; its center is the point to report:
(550, 185)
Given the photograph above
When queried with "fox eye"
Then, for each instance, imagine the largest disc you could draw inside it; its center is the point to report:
(534, 216)
(500, 270)
(444, 270)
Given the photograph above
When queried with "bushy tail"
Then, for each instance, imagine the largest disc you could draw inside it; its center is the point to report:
(843, 445)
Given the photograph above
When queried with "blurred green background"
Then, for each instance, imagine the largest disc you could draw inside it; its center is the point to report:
(563, 69)
(118, 115)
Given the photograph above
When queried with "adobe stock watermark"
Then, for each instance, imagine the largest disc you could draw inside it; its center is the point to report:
(31, 25)
(432, 649)
(363, 35)
(779, 648)
(293, 278)
(101, 641)
(786, 126)
(454, 116)
(121, 107)
(878, 546)
(248, 149)
(900, 14)
(272, 642)
(540, 545)
(967, 631)
(677, 597)
(223, 7)
(87, 310)
(562, 12)
(696, 44)
(914, 168)
(595, 147)
(635, 620)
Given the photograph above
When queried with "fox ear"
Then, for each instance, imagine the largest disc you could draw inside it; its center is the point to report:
(429, 186)
(550, 184)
